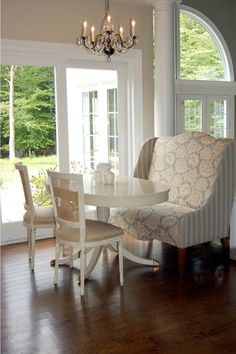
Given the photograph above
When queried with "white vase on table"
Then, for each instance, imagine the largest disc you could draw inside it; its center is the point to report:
(108, 177)
(103, 173)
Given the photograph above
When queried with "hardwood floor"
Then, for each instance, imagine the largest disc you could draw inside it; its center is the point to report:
(155, 312)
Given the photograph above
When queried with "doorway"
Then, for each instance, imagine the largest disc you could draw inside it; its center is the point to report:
(93, 125)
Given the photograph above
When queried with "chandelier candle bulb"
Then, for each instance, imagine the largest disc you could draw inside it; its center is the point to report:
(84, 28)
(132, 26)
(109, 23)
(121, 30)
(92, 34)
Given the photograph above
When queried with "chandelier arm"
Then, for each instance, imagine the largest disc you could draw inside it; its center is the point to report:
(124, 45)
(86, 43)
(129, 42)
(99, 42)
(118, 38)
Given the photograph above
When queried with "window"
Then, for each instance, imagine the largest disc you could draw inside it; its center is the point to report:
(200, 58)
(93, 116)
(90, 122)
(204, 112)
(192, 114)
(204, 91)
(91, 119)
(113, 139)
(30, 137)
(218, 114)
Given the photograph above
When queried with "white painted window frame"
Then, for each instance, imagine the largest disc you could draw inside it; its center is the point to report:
(205, 91)
(188, 89)
(130, 100)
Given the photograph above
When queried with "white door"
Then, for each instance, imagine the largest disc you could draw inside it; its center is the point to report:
(97, 118)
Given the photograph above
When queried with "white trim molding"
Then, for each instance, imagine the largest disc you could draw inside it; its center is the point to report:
(205, 87)
(61, 56)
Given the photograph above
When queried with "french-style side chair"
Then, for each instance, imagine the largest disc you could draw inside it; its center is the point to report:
(35, 217)
(72, 229)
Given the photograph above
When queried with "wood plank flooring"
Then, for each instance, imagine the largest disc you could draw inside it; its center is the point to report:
(155, 312)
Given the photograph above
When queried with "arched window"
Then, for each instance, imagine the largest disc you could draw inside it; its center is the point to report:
(203, 52)
(204, 89)
(199, 55)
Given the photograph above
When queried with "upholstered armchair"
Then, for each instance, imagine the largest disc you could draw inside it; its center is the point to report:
(200, 172)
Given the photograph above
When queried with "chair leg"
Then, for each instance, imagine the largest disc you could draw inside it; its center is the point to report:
(54, 231)
(29, 243)
(225, 245)
(181, 260)
(121, 271)
(71, 257)
(33, 236)
(57, 256)
(82, 271)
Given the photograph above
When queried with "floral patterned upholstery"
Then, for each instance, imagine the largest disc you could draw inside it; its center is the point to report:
(199, 170)
(187, 163)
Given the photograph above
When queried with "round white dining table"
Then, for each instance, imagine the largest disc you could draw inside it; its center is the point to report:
(125, 191)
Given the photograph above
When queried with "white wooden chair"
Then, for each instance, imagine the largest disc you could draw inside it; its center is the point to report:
(72, 229)
(35, 217)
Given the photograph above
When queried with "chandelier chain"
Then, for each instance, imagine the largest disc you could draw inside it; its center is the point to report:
(107, 7)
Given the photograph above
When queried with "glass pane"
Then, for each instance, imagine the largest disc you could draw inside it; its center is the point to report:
(199, 56)
(218, 111)
(110, 99)
(192, 115)
(112, 128)
(89, 103)
(111, 124)
(91, 124)
(32, 136)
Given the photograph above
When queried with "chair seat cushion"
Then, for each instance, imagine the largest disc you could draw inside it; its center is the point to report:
(162, 221)
(43, 215)
(95, 231)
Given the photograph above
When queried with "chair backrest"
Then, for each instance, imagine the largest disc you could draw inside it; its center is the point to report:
(190, 163)
(68, 200)
(24, 175)
(143, 163)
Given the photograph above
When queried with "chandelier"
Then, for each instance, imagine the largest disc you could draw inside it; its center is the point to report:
(107, 42)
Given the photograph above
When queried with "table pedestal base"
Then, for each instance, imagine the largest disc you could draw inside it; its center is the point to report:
(140, 260)
(103, 215)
